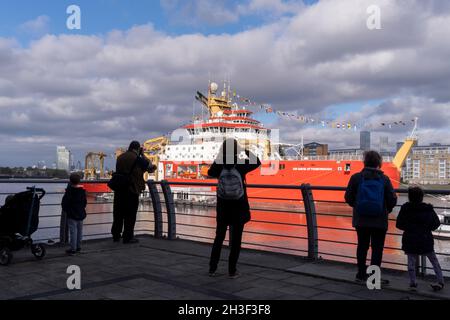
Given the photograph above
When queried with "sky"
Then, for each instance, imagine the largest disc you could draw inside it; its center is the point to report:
(132, 70)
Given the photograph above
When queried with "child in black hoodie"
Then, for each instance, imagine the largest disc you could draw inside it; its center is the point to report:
(74, 205)
(418, 220)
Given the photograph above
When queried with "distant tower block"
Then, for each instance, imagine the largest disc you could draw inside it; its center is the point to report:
(365, 140)
(384, 144)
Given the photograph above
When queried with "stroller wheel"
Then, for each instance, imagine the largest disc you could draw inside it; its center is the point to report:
(5, 257)
(38, 250)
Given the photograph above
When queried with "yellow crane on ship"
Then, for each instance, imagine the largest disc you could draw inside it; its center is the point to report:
(403, 152)
(153, 149)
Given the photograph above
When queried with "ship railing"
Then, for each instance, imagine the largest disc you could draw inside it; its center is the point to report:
(299, 223)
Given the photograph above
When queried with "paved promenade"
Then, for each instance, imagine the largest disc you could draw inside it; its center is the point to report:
(162, 269)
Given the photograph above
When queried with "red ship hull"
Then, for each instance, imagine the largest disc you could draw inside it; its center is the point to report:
(294, 172)
(297, 172)
(96, 187)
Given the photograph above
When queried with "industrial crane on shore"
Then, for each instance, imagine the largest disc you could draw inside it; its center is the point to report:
(93, 162)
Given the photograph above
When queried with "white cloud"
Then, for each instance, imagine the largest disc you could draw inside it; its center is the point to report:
(36, 27)
(94, 92)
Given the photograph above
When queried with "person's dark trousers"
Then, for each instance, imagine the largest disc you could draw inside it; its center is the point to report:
(235, 244)
(369, 237)
(125, 209)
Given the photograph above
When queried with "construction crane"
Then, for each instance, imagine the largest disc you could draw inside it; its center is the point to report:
(93, 162)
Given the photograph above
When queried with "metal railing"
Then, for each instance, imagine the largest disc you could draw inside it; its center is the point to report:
(53, 224)
(308, 209)
(299, 227)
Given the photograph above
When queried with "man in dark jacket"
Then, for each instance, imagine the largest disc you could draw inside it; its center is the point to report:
(371, 229)
(74, 206)
(126, 203)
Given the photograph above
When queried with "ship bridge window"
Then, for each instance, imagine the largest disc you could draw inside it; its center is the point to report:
(446, 220)
(282, 166)
(348, 167)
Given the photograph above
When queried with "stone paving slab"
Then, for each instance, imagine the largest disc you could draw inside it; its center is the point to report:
(157, 269)
(399, 281)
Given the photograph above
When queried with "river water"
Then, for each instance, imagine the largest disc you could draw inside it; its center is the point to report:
(198, 222)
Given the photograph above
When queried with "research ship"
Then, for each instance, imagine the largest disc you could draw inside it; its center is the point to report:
(187, 155)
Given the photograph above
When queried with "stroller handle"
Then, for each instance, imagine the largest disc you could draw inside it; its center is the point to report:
(37, 190)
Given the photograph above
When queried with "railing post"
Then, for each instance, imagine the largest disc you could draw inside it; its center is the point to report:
(63, 228)
(170, 206)
(311, 222)
(157, 211)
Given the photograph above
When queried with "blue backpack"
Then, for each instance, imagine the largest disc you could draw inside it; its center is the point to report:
(370, 198)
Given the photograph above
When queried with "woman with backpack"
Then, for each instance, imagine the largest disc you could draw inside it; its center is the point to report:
(233, 208)
(372, 197)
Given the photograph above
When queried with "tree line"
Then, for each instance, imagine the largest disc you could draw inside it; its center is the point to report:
(29, 172)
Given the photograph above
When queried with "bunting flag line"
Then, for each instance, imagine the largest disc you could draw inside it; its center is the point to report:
(314, 120)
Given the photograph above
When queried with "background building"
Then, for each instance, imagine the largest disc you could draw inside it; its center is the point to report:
(62, 158)
(315, 149)
(346, 153)
(364, 138)
(384, 144)
(41, 165)
(72, 162)
(428, 165)
(79, 167)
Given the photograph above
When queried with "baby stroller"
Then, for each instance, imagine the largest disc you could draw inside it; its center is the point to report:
(19, 219)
